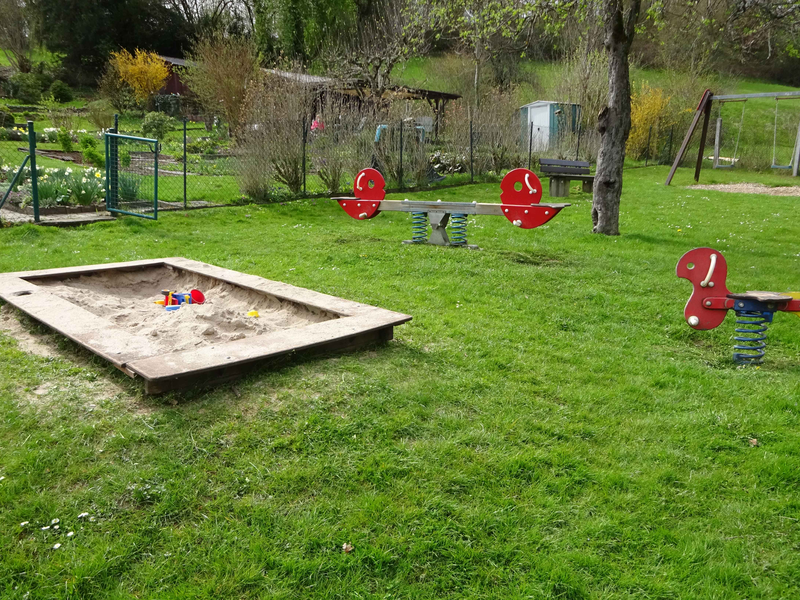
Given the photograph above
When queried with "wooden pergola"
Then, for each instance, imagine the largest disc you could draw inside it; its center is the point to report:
(360, 89)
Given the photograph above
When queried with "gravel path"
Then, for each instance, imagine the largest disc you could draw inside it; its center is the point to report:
(750, 188)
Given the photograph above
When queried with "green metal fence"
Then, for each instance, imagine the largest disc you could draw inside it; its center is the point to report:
(18, 171)
(132, 175)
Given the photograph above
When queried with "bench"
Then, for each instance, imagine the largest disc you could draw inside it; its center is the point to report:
(561, 172)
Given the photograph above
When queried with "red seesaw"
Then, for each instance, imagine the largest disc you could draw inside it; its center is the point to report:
(521, 193)
(711, 300)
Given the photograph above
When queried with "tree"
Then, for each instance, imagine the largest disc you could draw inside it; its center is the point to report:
(618, 20)
(298, 30)
(85, 32)
(207, 17)
(370, 54)
(614, 122)
(490, 29)
(219, 72)
(15, 37)
(145, 72)
(766, 32)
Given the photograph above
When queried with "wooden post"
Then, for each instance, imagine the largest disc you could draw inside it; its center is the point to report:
(702, 149)
(705, 100)
(796, 157)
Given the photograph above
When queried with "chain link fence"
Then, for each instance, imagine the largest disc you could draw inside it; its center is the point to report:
(295, 145)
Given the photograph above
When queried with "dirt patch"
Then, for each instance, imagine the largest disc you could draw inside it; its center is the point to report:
(750, 188)
(28, 342)
(127, 299)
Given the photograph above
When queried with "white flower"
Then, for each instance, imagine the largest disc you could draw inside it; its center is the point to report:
(46, 527)
(82, 515)
(70, 534)
(54, 521)
(56, 546)
(24, 523)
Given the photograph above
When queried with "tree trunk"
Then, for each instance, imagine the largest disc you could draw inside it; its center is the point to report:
(614, 122)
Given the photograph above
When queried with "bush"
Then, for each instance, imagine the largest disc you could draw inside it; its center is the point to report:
(115, 91)
(60, 91)
(92, 156)
(6, 117)
(65, 140)
(25, 87)
(169, 104)
(124, 158)
(13, 134)
(87, 142)
(648, 109)
(61, 117)
(101, 114)
(145, 72)
(157, 125)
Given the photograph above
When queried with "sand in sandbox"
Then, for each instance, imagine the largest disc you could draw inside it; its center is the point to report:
(126, 298)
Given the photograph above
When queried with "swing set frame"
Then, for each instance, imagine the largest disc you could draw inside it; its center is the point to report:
(703, 112)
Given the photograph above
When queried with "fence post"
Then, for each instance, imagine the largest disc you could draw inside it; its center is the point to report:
(530, 145)
(471, 169)
(155, 176)
(112, 183)
(304, 155)
(34, 174)
(647, 150)
(184, 164)
(578, 146)
(669, 151)
(400, 170)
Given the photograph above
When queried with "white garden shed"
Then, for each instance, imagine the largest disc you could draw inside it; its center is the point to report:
(544, 121)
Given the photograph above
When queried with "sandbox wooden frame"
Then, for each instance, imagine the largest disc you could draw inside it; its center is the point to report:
(355, 325)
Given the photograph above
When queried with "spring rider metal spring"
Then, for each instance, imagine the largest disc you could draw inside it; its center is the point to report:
(752, 328)
(458, 229)
(707, 270)
(419, 227)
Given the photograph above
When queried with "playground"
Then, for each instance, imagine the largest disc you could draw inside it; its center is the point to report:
(546, 426)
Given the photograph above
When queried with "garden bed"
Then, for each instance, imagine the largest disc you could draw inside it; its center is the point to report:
(73, 157)
(13, 205)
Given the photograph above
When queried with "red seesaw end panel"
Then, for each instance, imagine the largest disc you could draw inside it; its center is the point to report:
(359, 208)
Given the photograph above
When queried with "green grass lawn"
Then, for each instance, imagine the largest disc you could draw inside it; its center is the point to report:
(547, 426)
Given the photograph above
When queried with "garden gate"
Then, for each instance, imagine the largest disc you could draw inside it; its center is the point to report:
(132, 175)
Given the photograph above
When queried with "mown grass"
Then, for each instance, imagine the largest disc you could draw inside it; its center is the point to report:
(546, 427)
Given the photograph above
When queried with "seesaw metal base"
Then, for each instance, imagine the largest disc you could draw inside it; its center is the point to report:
(438, 221)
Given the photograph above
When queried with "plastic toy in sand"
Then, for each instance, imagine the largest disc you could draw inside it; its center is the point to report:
(710, 302)
(173, 300)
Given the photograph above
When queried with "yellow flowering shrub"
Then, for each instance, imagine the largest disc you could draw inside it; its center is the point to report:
(145, 72)
(648, 108)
